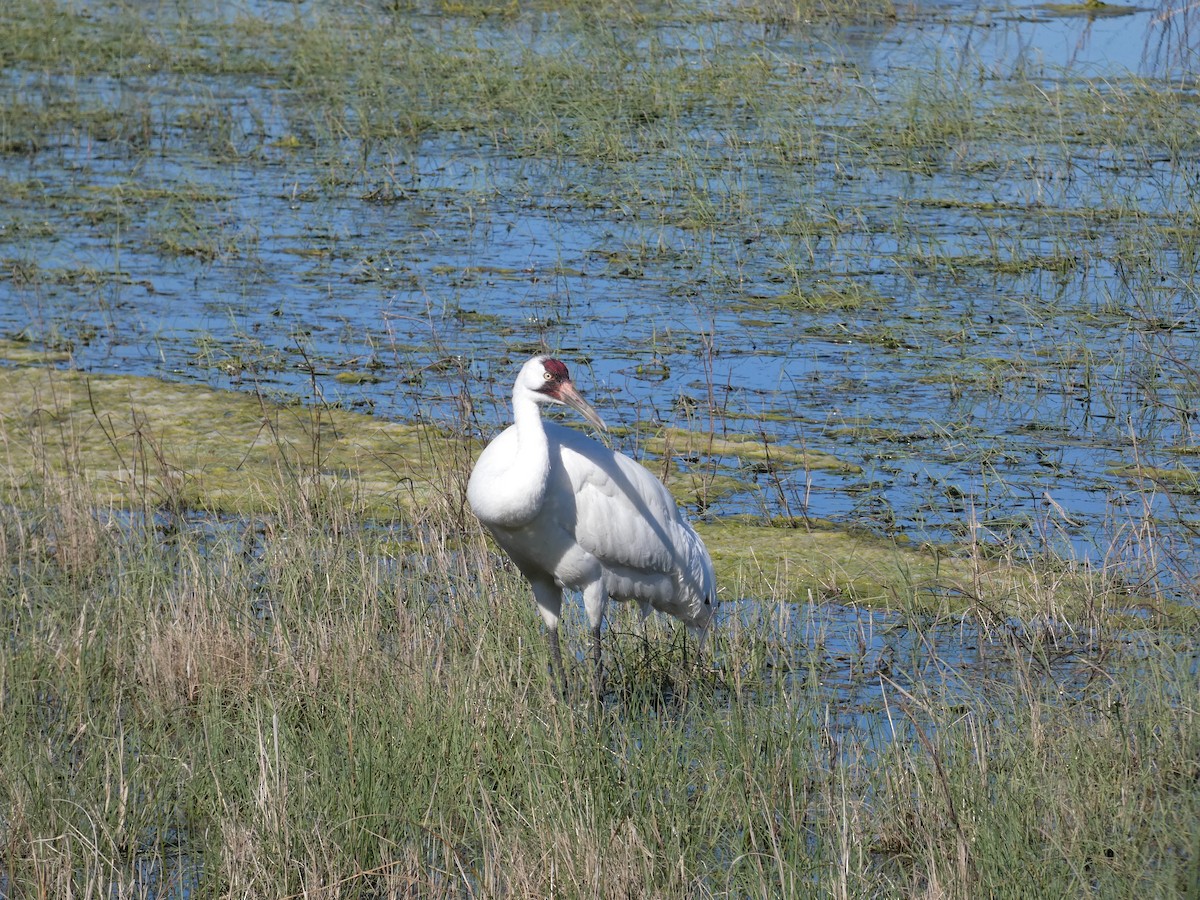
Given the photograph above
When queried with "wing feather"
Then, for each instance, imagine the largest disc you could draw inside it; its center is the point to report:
(623, 515)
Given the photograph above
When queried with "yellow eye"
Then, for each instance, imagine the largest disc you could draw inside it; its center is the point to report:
(547, 376)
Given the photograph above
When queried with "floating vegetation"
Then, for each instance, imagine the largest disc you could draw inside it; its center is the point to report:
(746, 449)
(822, 296)
(134, 440)
(26, 352)
(1090, 9)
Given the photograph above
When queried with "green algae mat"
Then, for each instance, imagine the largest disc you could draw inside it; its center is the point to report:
(137, 441)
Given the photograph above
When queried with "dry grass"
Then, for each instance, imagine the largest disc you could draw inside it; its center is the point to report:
(311, 710)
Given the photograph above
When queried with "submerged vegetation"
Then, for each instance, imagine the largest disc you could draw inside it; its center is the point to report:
(909, 327)
(145, 444)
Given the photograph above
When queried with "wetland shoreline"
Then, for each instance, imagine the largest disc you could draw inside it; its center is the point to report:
(899, 300)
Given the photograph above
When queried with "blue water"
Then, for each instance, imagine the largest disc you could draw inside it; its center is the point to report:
(441, 268)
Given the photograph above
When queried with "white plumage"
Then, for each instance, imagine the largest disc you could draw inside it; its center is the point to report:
(574, 514)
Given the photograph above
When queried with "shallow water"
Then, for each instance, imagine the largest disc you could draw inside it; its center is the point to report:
(975, 399)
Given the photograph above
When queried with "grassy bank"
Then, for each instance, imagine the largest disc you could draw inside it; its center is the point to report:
(300, 706)
(302, 701)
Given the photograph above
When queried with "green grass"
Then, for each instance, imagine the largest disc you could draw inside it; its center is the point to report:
(288, 704)
(309, 696)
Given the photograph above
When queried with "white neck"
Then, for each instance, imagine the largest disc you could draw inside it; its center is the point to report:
(531, 469)
(512, 482)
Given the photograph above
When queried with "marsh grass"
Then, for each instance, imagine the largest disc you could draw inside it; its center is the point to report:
(255, 648)
(165, 449)
(299, 701)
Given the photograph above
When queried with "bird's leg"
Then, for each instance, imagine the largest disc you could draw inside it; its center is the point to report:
(690, 673)
(594, 602)
(598, 672)
(644, 611)
(557, 673)
(548, 597)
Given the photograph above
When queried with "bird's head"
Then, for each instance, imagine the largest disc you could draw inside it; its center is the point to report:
(546, 380)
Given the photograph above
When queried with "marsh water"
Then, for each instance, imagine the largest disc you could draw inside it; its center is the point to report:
(992, 326)
(949, 250)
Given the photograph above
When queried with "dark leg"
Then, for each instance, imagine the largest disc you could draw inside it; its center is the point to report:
(557, 673)
(598, 673)
(644, 609)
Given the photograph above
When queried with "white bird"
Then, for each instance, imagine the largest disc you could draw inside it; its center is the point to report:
(576, 515)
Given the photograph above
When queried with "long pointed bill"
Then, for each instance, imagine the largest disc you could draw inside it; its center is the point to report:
(568, 395)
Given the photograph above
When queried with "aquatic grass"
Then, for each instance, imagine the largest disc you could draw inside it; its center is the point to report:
(370, 703)
(83, 44)
(821, 296)
(1027, 776)
(302, 708)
